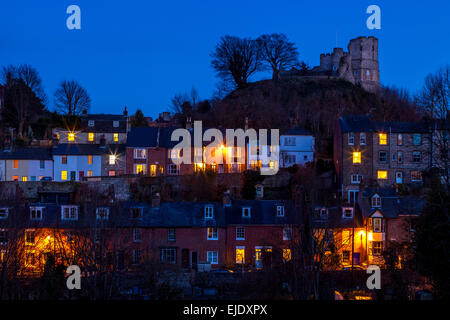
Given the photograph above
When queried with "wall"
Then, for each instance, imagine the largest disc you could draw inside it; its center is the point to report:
(77, 164)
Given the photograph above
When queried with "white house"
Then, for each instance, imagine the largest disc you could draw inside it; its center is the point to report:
(71, 162)
(296, 147)
(26, 164)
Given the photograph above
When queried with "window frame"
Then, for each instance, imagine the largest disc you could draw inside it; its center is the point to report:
(171, 235)
(208, 211)
(69, 217)
(351, 139)
(280, 211)
(36, 209)
(246, 210)
(214, 255)
(240, 233)
(212, 233)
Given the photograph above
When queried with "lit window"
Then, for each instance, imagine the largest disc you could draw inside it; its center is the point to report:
(287, 255)
(240, 254)
(116, 137)
(212, 257)
(377, 224)
(139, 169)
(209, 212)
(240, 233)
(382, 174)
(90, 173)
(64, 175)
(24, 179)
(140, 154)
(15, 178)
(111, 173)
(91, 136)
(153, 170)
(71, 137)
(377, 248)
(376, 201)
(198, 167)
(112, 159)
(15, 164)
(416, 176)
(356, 157)
(212, 234)
(30, 237)
(382, 138)
(400, 139)
(246, 212)
(345, 237)
(90, 159)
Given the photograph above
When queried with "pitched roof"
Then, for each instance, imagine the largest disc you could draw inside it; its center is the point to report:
(263, 212)
(27, 154)
(104, 123)
(362, 123)
(297, 131)
(77, 149)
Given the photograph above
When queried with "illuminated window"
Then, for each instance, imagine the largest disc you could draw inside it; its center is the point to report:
(416, 176)
(356, 157)
(212, 234)
(91, 136)
(24, 178)
(240, 233)
(198, 167)
(255, 164)
(382, 138)
(16, 164)
(153, 170)
(174, 153)
(89, 173)
(139, 169)
(71, 137)
(382, 174)
(15, 178)
(140, 153)
(345, 237)
(377, 248)
(272, 164)
(90, 159)
(64, 175)
(212, 257)
(400, 139)
(116, 137)
(112, 159)
(287, 255)
(240, 254)
(377, 224)
(30, 237)
(111, 173)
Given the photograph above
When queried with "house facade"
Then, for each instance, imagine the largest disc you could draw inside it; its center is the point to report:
(296, 147)
(382, 153)
(72, 162)
(26, 164)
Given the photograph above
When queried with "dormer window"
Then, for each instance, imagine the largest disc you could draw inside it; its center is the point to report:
(36, 213)
(362, 139)
(280, 211)
(115, 124)
(376, 201)
(102, 213)
(351, 139)
(246, 212)
(209, 212)
(347, 213)
(69, 212)
(4, 213)
(91, 123)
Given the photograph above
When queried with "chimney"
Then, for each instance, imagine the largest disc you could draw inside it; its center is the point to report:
(125, 111)
(156, 200)
(188, 123)
(246, 124)
(226, 199)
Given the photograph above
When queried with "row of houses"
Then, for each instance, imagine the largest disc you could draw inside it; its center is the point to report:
(105, 145)
(183, 234)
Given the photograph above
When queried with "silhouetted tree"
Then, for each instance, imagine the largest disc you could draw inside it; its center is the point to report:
(277, 52)
(138, 120)
(71, 98)
(236, 59)
(434, 98)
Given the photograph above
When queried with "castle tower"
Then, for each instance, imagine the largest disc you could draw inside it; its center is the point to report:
(364, 60)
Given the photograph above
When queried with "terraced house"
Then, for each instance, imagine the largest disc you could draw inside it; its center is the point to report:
(382, 153)
(26, 164)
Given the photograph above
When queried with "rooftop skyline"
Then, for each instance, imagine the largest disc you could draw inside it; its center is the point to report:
(141, 54)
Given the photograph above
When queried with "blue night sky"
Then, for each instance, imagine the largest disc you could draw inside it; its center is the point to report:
(141, 53)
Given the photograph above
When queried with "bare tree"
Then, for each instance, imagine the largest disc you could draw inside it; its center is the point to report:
(434, 99)
(71, 98)
(236, 59)
(277, 52)
(30, 77)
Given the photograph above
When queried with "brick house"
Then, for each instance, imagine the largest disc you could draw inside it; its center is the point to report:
(379, 153)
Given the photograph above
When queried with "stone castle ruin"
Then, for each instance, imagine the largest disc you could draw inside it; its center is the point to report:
(359, 65)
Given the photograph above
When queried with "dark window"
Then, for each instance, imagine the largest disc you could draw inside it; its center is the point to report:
(383, 156)
(172, 235)
(168, 255)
